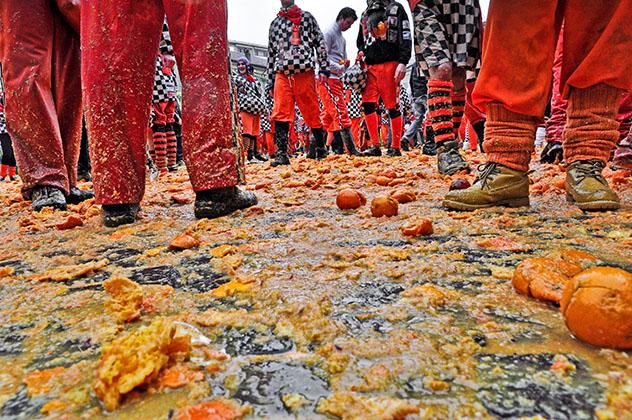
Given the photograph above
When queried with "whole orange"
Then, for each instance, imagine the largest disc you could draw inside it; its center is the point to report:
(597, 307)
(350, 199)
(384, 206)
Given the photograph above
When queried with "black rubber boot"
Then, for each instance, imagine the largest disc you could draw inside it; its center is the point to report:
(429, 147)
(119, 214)
(45, 196)
(211, 204)
(77, 196)
(177, 128)
(347, 139)
(281, 133)
(336, 144)
(311, 154)
(405, 145)
(393, 152)
(255, 151)
(320, 140)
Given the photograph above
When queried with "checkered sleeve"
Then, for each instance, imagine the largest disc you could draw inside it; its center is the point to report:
(272, 52)
(317, 43)
(166, 46)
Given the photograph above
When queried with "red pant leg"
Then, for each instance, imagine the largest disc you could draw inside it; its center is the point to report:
(555, 125)
(518, 52)
(335, 113)
(304, 86)
(597, 44)
(283, 99)
(41, 98)
(118, 75)
(355, 130)
(199, 34)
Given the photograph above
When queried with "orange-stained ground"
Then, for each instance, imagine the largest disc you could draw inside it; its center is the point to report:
(297, 308)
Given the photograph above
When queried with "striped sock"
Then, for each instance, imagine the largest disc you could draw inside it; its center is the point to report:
(458, 108)
(172, 146)
(440, 109)
(160, 146)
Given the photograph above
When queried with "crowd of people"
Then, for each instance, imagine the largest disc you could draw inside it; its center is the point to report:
(471, 85)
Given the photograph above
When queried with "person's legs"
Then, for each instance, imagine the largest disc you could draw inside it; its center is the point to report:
(115, 87)
(370, 98)
(513, 88)
(198, 32)
(159, 136)
(304, 88)
(170, 132)
(28, 57)
(282, 116)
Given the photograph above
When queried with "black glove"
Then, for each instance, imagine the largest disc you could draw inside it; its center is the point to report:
(552, 153)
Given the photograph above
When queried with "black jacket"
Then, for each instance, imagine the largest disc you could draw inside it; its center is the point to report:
(397, 43)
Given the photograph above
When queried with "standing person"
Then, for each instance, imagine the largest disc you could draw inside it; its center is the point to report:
(164, 105)
(40, 53)
(447, 43)
(198, 31)
(385, 41)
(8, 167)
(267, 124)
(250, 107)
(353, 99)
(406, 108)
(335, 114)
(419, 91)
(294, 41)
(514, 87)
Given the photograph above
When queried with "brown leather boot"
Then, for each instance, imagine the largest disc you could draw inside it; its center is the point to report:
(496, 185)
(587, 188)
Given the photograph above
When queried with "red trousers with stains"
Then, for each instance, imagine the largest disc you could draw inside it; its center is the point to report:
(41, 63)
(514, 85)
(118, 73)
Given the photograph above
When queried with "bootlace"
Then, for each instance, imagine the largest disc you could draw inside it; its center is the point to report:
(485, 172)
(590, 169)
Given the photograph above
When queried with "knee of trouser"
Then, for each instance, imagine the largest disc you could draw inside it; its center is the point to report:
(369, 107)
(394, 113)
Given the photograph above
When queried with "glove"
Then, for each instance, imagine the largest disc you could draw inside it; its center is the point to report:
(552, 153)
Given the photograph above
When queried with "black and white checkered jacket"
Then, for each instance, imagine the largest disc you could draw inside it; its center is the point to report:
(283, 57)
(248, 95)
(164, 84)
(266, 123)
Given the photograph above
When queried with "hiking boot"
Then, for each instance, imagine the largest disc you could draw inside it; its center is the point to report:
(77, 196)
(449, 160)
(46, 196)
(552, 153)
(373, 151)
(211, 204)
(587, 188)
(393, 152)
(347, 139)
(311, 153)
(496, 185)
(119, 214)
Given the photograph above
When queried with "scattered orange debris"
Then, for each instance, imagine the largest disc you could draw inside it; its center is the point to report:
(135, 359)
(404, 196)
(70, 223)
(127, 298)
(210, 410)
(421, 227)
(39, 382)
(176, 377)
(185, 240)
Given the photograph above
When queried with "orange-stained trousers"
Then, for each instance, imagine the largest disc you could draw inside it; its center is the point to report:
(299, 89)
(334, 115)
(119, 43)
(41, 63)
(519, 49)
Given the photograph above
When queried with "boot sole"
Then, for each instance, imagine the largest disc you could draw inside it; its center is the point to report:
(600, 205)
(513, 203)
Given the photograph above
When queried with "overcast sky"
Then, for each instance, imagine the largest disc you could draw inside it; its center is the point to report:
(249, 20)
